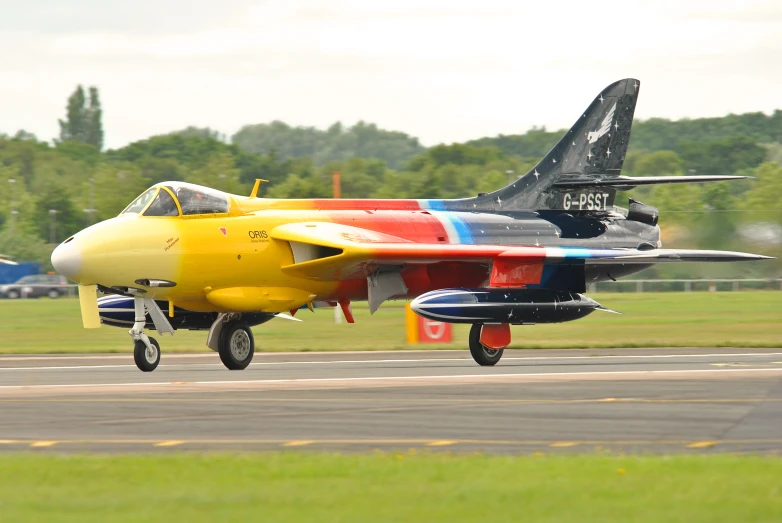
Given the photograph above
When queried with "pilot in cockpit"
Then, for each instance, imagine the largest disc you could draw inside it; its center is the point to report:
(189, 200)
(164, 205)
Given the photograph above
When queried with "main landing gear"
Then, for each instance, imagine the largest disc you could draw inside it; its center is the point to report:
(229, 336)
(482, 354)
(236, 345)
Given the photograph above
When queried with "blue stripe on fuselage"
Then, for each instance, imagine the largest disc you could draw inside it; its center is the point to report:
(433, 205)
(576, 252)
(459, 226)
(462, 229)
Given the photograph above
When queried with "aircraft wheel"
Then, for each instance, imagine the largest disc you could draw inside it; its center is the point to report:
(482, 354)
(147, 359)
(236, 346)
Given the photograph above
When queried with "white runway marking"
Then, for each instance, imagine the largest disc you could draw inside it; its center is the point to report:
(400, 378)
(421, 360)
(104, 356)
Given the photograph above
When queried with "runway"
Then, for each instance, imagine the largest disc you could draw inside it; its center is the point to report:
(619, 400)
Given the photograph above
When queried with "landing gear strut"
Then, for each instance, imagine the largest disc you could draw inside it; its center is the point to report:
(146, 350)
(236, 345)
(482, 354)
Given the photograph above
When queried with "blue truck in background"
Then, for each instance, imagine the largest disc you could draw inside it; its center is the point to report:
(12, 273)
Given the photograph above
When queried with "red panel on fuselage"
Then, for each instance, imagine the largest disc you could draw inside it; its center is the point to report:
(416, 226)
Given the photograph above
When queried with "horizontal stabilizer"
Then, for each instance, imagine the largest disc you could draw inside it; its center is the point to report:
(610, 256)
(628, 182)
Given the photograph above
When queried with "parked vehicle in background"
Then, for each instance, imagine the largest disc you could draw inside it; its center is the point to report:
(36, 286)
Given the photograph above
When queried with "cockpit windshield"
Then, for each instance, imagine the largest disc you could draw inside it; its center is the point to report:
(192, 199)
(141, 202)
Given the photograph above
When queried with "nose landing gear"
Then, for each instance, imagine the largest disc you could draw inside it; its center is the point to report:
(147, 357)
(146, 350)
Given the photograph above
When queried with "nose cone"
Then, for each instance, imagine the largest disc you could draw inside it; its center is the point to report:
(66, 259)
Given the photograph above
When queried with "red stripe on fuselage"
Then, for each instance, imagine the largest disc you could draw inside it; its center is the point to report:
(366, 205)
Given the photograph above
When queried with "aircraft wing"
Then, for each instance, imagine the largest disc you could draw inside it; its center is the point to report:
(330, 251)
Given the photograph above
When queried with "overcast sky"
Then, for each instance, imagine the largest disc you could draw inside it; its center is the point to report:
(442, 70)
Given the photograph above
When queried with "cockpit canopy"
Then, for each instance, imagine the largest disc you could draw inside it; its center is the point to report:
(175, 198)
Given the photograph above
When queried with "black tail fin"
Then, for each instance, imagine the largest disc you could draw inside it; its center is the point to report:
(597, 142)
(594, 147)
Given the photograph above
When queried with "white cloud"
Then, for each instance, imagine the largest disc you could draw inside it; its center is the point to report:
(441, 70)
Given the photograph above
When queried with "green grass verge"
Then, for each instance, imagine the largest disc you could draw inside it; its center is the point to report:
(390, 487)
(724, 319)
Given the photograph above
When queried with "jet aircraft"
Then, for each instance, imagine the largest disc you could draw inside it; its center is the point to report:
(181, 256)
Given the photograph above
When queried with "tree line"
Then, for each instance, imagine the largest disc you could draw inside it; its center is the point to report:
(61, 187)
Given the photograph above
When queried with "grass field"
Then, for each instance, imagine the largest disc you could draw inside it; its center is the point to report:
(390, 487)
(723, 319)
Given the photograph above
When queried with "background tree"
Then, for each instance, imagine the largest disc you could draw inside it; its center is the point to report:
(74, 126)
(94, 115)
(83, 120)
(337, 143)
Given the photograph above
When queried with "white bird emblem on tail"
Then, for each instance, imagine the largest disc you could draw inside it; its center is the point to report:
(604, 127)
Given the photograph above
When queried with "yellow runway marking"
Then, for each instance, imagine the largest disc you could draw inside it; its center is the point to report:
(298, 443)
(441, 443)
(43, 443)
(701, 444)
(169, 443)
(400, 441)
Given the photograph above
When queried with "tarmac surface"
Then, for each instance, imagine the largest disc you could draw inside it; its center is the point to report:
(619, 400)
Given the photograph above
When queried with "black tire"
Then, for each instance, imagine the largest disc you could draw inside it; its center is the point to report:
(482, 355)
(144, 360)
(12, 294)
(53, 294)
(236, 345)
